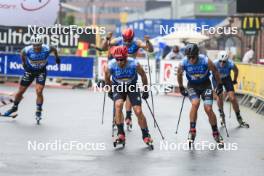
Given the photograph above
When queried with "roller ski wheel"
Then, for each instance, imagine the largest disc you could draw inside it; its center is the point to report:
(128, 124)
(149, 142)
(191, 137)
(38, 117)
(120, 140)
(218, 139)
(242, 124)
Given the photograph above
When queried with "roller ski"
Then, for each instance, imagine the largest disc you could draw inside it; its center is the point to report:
(120, 140)
(38, 116)
(147, 140)
(218, 139)
(128, 122)
(242, 123)
(10, 112)
(191, 137)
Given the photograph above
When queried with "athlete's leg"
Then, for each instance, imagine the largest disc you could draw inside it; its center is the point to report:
(136, 102)
(24, 84)
(40, 84)
(119, 99)
(207, 96)
(128, 109)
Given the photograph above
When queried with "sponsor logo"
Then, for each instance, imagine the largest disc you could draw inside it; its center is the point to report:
(30, 5)
(7, 6)
(167, 71)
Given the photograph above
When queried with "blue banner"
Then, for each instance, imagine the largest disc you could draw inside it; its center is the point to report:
(161, 27)
(70, 67)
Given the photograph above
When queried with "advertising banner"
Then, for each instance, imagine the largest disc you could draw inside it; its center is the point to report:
(168, 73)
(70, 67)
(250, 80)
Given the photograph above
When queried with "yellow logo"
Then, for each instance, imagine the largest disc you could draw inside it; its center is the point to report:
(251, 23)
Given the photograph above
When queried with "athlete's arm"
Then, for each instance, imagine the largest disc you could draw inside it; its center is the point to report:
(216, 74)
(235, 70)
(108, 77)
(96, 47)
(180, 75)
(143, 75)
(55, 51)
(147, 45)
(108, 42)
(23, 57)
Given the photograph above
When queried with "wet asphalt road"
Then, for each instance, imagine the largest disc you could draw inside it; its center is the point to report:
(74, 116)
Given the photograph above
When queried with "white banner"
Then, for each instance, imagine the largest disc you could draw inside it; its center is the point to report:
(28, 12)
(102, 64)
(152, 64)
(168, 72)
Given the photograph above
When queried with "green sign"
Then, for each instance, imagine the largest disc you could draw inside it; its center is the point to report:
(207, 8)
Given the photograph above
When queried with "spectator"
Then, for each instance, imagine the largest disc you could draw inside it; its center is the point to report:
(174, 54)
(248, 56)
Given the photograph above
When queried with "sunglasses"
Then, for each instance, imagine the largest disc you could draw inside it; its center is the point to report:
(190, 57)
(221, 61)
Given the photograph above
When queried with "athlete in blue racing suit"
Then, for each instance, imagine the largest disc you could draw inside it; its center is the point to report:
(224, 66)
(133, 46)
(34, 60)
(123, 72)
(197, 68)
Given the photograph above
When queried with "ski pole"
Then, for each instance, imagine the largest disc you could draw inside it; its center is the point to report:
(155, 122)
(103, 108)
(150, 83)
(180, 115)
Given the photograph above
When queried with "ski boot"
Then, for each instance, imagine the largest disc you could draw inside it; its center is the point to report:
(242, 123)
(10, 112)
(191, 137)
(218, 139)
(38, 116)
(120, 140)
(128, 122)
(149, 141)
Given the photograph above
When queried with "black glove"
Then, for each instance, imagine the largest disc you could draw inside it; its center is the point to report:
(25, 67)
(234, 82)
(101, 83)
(111, 95)
(219, 89)
(183, 91)
(58, 61)
(145, 95)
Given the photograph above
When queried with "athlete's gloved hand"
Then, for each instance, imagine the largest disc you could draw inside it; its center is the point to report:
(145, 95)
(25, 66)
(58, 61)
(183, 91)
(111, 95)
(101, 83)
(219, 89)
(109, 36)
(234, 82)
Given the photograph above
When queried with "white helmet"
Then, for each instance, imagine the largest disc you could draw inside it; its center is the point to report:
(222, 56)
(36, 39)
